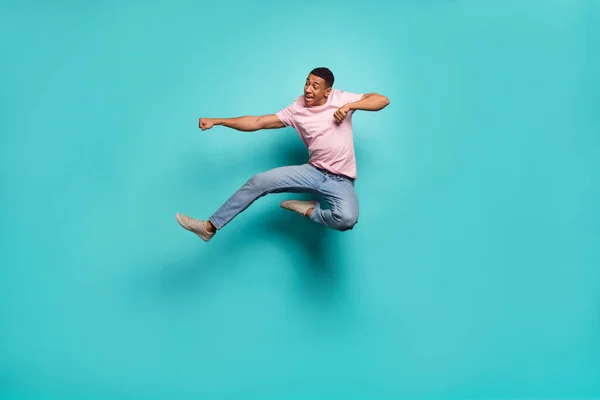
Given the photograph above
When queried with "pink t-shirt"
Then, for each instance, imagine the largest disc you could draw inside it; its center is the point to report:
(330, 144)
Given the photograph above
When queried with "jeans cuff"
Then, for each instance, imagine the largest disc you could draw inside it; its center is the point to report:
(212, 221)
(316, 211)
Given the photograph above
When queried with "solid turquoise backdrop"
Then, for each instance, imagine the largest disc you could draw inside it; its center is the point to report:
(472, 273)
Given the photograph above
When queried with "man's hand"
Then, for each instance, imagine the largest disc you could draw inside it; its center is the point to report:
(205, 123)
(341, 113)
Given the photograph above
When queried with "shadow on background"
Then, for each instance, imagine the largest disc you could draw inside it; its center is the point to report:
(199, 272)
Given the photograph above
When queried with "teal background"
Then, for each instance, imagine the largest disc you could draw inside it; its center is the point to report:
(472, 273)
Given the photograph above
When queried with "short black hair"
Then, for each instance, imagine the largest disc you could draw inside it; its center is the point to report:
(324, 73)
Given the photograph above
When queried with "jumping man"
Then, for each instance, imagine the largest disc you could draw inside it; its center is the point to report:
(322, 116)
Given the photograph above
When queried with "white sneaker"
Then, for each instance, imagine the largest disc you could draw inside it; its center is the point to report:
(299, 206)
(196, 226)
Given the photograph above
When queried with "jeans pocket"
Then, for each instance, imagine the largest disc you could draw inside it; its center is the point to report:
(343, 179)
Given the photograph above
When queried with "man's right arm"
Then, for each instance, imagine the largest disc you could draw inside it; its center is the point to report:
(245, 124)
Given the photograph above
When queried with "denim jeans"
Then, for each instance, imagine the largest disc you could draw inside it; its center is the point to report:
(337, 190)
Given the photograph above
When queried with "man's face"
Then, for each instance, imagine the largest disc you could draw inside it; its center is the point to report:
(315, 91)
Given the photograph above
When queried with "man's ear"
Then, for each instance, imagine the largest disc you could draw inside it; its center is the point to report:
(328, 91)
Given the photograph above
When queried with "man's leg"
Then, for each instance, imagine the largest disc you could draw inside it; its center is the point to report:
(339, 193)
(298, 179)
(342, 214)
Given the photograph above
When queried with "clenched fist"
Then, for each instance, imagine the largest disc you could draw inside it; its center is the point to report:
(205, 123)
(341, 113)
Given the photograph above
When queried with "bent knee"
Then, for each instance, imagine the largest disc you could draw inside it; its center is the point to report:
(346, 222)
(347, 225)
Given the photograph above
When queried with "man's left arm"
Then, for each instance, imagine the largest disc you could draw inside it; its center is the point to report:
(368, 102)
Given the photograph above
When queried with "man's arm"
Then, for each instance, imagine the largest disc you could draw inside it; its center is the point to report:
(368, 102)
(246, 123)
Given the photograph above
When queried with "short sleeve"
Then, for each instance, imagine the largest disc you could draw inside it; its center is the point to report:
(286, 115)
(349, 97)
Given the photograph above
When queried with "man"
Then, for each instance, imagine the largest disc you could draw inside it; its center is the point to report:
(322, 118)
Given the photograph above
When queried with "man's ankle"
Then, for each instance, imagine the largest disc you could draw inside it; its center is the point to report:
(210, 227)
(309, 211)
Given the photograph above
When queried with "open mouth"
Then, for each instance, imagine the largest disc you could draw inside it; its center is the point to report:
(307, 97)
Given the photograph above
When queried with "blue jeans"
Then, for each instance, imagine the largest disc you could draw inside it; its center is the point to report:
(337, 190)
